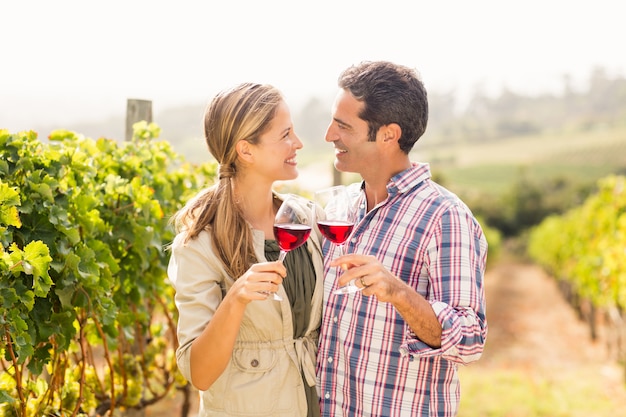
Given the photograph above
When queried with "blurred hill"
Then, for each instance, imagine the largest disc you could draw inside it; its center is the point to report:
(482, 120)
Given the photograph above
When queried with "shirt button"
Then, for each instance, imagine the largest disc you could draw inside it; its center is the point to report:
(330, 360)
(327, 395)
(335, 319)
(254, 363)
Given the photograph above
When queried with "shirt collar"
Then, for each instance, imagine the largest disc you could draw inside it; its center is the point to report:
(409, 178)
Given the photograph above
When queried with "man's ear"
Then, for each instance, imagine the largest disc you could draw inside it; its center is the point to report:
(390, 133)
(244, 150)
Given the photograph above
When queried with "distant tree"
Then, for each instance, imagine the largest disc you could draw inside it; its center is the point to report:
(528, 201)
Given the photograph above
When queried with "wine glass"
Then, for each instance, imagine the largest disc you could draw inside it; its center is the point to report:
(292, 225)
(337, 223)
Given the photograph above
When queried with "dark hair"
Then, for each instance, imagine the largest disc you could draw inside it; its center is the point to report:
(391, 93)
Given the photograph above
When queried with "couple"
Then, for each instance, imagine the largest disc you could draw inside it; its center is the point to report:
(391, 350)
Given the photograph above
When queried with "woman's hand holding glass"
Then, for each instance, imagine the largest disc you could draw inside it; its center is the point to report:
(259, 281)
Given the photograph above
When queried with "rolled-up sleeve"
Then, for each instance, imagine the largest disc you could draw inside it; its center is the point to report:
(195, 275)
(456, 257)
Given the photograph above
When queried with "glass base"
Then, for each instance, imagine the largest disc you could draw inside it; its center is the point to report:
(274, 296)
(351, 288)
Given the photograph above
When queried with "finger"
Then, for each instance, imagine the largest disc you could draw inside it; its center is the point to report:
(350, 260)
(280, 269)
(271, 277)
(260, 295)
(270, 287)
(347, 277)
(362, 283)
(353, 273)
(278, 279)
(263, 287)
(275, 267)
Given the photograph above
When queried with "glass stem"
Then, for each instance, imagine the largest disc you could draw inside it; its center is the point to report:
(282, 255)
(342, 251)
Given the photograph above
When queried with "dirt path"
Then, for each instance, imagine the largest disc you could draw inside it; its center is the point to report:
(530, 324)
(532, 330)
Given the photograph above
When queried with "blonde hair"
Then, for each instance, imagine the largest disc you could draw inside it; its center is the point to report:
(240, 113)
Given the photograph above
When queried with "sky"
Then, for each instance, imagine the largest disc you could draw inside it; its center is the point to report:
(65, 61)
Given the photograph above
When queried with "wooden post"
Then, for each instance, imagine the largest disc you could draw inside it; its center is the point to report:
(136, 111)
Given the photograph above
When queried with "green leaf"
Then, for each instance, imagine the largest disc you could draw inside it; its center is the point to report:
(4, 167)
(59, 215)
(61, 135)
(72, 233)
(43, 189)
(9, 200)
(8, 297)
(36, 363)
(65, 295)
(27, 298)
(38, 256)
(6, 397)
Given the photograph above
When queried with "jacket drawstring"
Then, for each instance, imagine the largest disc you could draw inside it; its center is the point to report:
(306, 351)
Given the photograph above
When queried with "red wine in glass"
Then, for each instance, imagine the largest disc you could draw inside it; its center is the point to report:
(336, 231)
(292, 225)
(337, 222)
(290, 236)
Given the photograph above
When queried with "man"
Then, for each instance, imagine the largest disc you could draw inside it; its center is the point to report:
(417, 252)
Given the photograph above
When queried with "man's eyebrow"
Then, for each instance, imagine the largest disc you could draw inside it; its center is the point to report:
(341, 122)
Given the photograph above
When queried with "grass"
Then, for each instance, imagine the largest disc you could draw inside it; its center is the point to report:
(501, 392)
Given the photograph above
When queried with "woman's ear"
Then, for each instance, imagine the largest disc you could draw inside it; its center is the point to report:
(244, 150)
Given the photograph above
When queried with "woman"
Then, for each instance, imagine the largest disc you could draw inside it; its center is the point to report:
(246, 353)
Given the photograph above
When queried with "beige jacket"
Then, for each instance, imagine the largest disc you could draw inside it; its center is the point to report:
(264, 374)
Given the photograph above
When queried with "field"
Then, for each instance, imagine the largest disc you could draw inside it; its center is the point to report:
(493, 166)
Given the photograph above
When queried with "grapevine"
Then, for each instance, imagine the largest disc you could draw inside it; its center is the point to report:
(585, 248)
(87, 318)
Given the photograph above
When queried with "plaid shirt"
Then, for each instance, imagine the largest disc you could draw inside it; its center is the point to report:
(370, 363)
